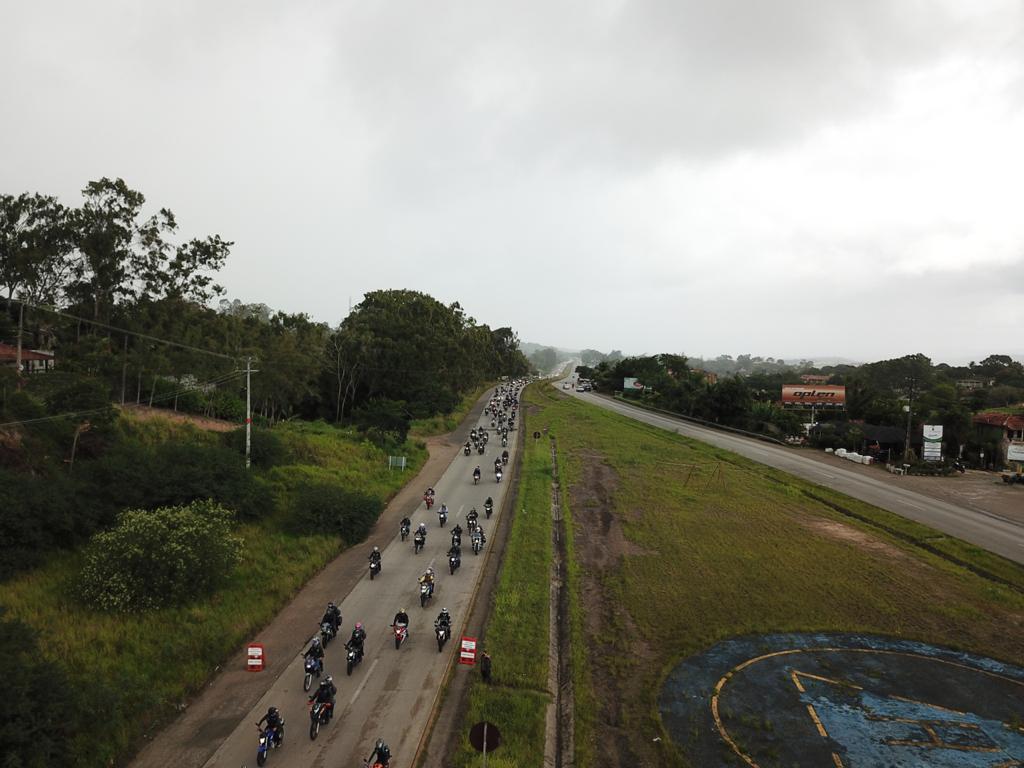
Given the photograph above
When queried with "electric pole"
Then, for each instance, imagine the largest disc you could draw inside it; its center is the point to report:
(248, 410)
(910, 412)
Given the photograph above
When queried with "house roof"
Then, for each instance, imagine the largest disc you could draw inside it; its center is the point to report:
(1014, 421)
(10, 354)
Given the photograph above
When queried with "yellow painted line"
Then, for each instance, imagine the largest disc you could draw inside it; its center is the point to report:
(926, 704)
(819, 678)
(836, 760)
(724, 733)
(817, 721)
(796, 682)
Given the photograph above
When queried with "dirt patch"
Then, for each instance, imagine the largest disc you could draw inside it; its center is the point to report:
(845, 533)
(616, 649)
(145, 413)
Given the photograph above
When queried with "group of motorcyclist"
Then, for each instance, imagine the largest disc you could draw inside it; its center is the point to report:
(502, 409)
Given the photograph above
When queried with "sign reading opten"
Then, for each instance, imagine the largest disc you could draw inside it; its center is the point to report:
(803, 396)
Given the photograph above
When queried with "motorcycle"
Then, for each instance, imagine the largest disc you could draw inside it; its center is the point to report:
(476, 476)
(478, 542)
(374, 568)
(453, 564)
(488, 508)
(497, 476)
(442, 636)
(268, 741)
(442, 516)
(426, 592)
(319, 714)
(327, 632)
(354, 657)
(401, 632)
(504, 458)
(959, 466)
(456, 539)
(418, 541)
(313, 667)
(504, 443)
(404, 531)
(480, 449)
(428, 500)
(465, 450)
(471, 524)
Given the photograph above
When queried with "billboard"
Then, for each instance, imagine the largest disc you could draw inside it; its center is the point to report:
(932, 442)
(1015, 451)
(804, 396)
(630, 384)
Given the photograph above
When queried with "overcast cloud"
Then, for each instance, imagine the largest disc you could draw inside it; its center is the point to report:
(785, 178)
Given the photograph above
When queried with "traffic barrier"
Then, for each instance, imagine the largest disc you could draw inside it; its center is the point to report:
(467, 652)
(255, 659)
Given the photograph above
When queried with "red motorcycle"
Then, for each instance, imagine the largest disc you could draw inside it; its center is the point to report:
(401, 632)
(428, 500)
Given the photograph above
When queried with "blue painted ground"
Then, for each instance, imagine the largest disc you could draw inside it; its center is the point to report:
(815, 699)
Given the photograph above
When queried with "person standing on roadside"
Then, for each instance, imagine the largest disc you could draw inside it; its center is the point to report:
(485, 667)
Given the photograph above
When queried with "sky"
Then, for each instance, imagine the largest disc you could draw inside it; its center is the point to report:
(791, 179)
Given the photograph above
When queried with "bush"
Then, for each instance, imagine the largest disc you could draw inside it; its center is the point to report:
(162, 557)
(330, 508)
(267, 449)
(36, 709)
(226, 405)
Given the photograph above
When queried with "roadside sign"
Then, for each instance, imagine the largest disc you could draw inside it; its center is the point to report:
(255, 660)
(1015, 451)
(467, 651)
(396, 462)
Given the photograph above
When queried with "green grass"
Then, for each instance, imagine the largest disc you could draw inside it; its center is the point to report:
(442, 425)
(517, 633)
(136, 669)
(731, 548)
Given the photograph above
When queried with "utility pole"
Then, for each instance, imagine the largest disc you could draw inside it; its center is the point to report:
(910, 413)
(21, 326)
(248, 410)
(124, 369)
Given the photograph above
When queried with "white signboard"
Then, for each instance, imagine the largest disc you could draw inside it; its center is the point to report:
(630, 384)
(932, 442)
(1016, 451)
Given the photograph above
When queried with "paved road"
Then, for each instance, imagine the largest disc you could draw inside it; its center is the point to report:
(392, 692)
(992, 532)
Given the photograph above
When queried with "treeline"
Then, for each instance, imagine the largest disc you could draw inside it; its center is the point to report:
(876, 393)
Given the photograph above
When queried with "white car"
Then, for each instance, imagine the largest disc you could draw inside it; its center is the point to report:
(565, 385)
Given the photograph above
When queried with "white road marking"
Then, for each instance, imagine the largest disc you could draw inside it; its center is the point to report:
(360, 688)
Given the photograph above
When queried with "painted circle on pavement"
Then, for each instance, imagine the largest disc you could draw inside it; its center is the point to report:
(845, 701)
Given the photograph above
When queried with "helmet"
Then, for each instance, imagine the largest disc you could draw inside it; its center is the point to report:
(328, 680)
(376, 549)
(401, 610)
(330, 606)
(444, 611)
(359, 625)
(316, 642)
(272, 711)
(379, 744)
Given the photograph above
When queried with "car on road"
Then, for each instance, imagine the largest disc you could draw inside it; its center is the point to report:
(565, 385)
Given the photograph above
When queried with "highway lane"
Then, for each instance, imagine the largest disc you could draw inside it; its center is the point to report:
(992, 532)
(391, 694)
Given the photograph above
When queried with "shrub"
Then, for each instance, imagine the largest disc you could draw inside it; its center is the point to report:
(330, 508)
(36, 709)
(162, 557)
(266, 449)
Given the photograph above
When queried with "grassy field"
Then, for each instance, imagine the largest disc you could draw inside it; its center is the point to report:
(136, 669)
(678, 545)
(517, 633)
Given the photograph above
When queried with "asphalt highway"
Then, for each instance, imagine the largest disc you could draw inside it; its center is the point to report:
(992, 532)
(391, 693)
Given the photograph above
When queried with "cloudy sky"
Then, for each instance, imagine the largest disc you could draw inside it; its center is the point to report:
(779, 178)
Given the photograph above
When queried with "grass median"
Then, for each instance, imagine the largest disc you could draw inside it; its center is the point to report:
(678, 545)
(517, 634)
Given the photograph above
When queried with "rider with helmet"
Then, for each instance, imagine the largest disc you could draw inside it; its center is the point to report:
(316, 651)
(325, 695)
(428, 578)
(275, 725)
(375, 556)
(332, 616)
(355, 642)
(381, 753)
(444, 619)
(401, 618)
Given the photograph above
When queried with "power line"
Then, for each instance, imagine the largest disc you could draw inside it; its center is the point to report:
(161, 398)
(157, 339)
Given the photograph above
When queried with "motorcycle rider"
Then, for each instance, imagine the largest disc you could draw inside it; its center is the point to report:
(375, 557)
(476, 472)
(274, 723)
(355, 642)
(489, 503)
(381, 752)
(401, 618)
(443, 511)
(332, 616)
(471, 518)
(316, 651)
(325, 695)
(406, 524)
(444, 619)
(455, 551)
(428, 579)
(457, 532)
